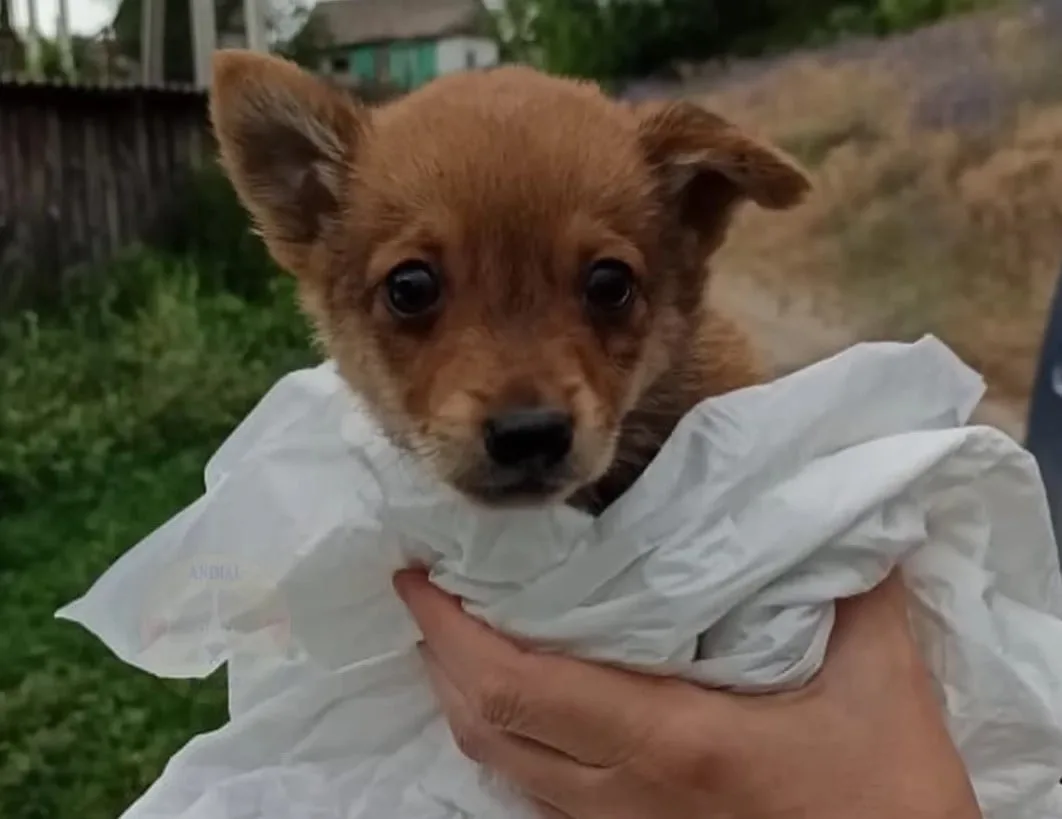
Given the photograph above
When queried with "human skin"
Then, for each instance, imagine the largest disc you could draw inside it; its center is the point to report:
(865, 739)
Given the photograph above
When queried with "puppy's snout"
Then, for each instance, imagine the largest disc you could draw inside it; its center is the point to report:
(528, 437)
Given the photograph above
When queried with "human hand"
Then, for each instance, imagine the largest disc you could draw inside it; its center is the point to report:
(865, 739)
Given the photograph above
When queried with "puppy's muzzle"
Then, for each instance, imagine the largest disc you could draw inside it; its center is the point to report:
(528, 441)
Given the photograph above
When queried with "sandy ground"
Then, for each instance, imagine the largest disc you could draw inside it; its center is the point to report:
(792, 335)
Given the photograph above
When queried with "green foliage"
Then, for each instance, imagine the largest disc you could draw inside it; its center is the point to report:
(620, 39)
(109, 408)
(51, 65)
(300, 36)
(205, 221)
(883, 17)
(587, 38)
(153, 366)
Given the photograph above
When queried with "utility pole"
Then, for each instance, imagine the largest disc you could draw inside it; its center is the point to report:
(33, 41)
(63, 41)
(152, 41)
(205, 33)
(204, 39)
(255, 24)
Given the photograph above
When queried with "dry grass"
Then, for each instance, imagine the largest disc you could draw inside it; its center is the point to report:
(938, 162)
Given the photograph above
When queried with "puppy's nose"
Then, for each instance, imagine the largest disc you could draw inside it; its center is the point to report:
(528, 436)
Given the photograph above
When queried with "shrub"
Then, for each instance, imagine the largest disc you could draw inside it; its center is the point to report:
(632, 38)
(207, 223)
(109, 408)
(156, 365)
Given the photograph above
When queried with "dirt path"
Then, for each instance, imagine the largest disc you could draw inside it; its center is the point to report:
(792, 335)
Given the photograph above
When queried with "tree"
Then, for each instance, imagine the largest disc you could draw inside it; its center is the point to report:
(581, 38)
(618, 39)
(285, 22)
(296, 33)
(86, 69)
(624, 38)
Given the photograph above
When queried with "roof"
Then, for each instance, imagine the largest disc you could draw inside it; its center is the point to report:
(348, 22)
(10, 83)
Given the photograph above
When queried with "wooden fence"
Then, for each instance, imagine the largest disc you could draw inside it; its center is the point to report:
(86, 170)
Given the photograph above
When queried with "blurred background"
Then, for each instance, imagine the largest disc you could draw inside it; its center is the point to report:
(140, 318)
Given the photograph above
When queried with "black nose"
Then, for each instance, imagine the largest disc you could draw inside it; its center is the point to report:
(528, 437)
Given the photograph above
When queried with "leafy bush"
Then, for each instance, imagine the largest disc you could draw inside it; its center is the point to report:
(109, 408)
(632, 38)
(148, 373)
(205, 221)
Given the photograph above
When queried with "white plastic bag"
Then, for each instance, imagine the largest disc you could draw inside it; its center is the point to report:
(720, 564)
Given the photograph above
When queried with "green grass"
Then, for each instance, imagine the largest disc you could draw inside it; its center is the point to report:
(108, 413)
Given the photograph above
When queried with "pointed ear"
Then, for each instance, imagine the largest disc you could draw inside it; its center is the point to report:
(706, 167)
(287, 142)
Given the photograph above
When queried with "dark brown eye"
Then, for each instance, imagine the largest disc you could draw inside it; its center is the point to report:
(412, 289)
(609, 285)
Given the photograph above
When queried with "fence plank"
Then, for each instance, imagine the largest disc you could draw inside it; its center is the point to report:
(85, 170)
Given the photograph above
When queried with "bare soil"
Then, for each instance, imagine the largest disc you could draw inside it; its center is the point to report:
(792, 334)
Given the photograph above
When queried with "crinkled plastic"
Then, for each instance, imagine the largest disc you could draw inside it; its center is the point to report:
(720, 564)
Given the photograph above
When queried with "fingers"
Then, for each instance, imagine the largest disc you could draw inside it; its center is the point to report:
(555, 782)
(872, 636)
(458, 641)
(595, 715)
(545, 811)
(883, 607)
(890, 594)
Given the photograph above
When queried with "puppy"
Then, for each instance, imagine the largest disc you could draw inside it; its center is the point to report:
(510, 268)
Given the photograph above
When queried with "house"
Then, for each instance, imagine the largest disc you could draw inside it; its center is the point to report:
(401, 43)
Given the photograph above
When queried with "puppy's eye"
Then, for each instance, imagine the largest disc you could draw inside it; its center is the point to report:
(412, 289)
(609, 285)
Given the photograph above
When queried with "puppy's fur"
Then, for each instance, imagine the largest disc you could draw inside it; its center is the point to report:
(509, 184)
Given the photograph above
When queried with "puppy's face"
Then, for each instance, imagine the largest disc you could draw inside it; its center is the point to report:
(503, 263)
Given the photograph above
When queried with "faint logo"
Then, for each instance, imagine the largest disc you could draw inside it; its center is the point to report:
(212, 607)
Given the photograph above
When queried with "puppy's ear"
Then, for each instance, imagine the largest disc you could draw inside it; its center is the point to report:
(287, 142)
(706, 167)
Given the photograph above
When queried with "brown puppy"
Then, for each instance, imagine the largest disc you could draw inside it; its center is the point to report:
(510, 268)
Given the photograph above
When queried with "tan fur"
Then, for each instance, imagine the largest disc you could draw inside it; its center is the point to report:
(511, 183)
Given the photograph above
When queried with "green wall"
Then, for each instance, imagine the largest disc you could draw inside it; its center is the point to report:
(407, 64)
(363, 62)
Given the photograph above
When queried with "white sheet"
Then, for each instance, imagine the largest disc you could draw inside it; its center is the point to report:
(719, 564)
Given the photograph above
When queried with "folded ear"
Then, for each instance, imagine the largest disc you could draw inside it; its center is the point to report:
(706, 167)
(287, 142)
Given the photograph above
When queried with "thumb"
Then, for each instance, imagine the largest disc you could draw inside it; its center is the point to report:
(872, 634)
(589, 712)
